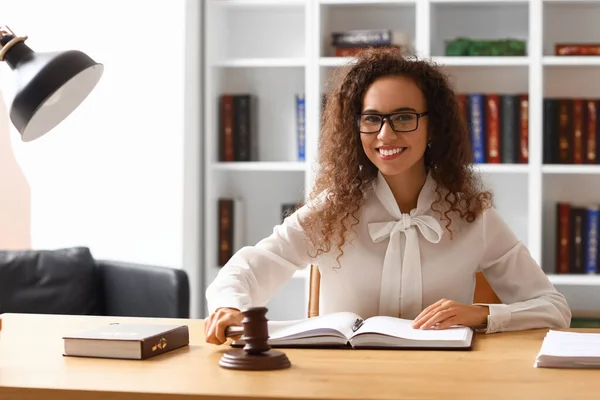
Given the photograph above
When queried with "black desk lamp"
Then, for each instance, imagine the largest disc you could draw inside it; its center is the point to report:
(49, 85)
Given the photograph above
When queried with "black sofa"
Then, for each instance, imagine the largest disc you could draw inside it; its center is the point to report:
(70, 281)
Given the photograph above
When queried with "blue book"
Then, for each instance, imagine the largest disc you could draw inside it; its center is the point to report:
(300, 127)
(477, 126)
(591, 245)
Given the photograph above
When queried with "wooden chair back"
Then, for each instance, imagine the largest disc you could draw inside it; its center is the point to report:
(483, 291)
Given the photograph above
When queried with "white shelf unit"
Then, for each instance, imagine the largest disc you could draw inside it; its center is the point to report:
(277, 49)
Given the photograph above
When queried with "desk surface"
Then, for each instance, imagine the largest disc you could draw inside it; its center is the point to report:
(499, 366)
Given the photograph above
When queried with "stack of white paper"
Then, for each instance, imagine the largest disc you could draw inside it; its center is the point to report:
(569, 350)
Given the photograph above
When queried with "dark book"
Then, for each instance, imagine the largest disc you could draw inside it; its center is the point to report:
(226, 216)
(226, 129)
(578, 126)
(550, 129)
(565, 129)
(127, 341)
(230, 228)
(578, 239)
(510, 128)
(563, 238)
(242, 127)
(591, 132)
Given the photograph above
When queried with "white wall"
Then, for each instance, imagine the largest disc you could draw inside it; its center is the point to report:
(111, 176)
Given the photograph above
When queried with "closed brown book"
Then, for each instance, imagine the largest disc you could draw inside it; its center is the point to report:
(127, 341)
(591, 132)
(578, 132)
(577, 49)
(565, 128)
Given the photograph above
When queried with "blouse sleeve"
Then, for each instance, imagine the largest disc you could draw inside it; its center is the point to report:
(529, 300)
(255, 273)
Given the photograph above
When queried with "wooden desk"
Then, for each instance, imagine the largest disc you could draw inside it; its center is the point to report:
(500, 366)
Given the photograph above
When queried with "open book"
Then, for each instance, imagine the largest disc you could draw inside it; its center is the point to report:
(346, 329)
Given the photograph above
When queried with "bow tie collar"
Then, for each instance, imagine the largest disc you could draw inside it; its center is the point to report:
(401, 280)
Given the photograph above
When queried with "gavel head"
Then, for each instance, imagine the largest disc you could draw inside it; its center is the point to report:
(256, 331)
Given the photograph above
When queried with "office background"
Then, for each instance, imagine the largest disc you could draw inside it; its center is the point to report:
(136, 174)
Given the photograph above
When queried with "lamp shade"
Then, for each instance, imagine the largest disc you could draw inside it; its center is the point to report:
(49, 86)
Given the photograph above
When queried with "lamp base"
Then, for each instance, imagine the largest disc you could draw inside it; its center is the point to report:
(241, 360)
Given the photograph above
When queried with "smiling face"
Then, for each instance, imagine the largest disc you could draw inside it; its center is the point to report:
(394, 153)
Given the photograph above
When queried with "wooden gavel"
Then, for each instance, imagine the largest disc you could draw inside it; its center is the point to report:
(257, 353)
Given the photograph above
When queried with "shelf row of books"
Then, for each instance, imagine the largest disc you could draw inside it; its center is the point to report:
(238, 127)
(230, 229)
(498, 126)
(499, 129)
(571, 130)
(576, 238)
(576, 233)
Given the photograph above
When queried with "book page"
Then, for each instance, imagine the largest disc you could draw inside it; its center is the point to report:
(338, 324)
(402, 328)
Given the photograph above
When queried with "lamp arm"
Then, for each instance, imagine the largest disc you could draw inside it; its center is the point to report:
(6, 32)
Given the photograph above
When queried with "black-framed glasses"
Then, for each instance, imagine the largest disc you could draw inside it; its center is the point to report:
(400, 122)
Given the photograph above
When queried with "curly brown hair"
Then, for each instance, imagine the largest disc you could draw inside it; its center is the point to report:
(346, 173)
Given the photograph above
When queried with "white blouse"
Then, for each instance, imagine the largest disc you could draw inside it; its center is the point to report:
(398, 264)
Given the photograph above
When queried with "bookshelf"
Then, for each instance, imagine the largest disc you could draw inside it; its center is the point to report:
(278, 49)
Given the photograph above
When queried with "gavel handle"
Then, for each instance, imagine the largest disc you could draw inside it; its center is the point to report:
(233, 331)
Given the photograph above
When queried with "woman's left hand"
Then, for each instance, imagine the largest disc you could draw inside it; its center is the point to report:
(445, 313)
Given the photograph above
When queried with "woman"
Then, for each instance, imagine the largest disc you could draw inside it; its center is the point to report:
(397, 222)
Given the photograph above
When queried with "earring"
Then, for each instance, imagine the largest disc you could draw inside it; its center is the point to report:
(429, 143)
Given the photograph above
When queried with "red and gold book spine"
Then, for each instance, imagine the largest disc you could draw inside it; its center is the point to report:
(564, 126)
(493, 128)
(524, 137)
(578, 153)
(591, 132)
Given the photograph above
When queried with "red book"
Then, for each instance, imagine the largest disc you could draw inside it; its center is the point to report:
(493, 128)
(524, 137)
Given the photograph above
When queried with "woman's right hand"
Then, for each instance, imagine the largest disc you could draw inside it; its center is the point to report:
(217, 322)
